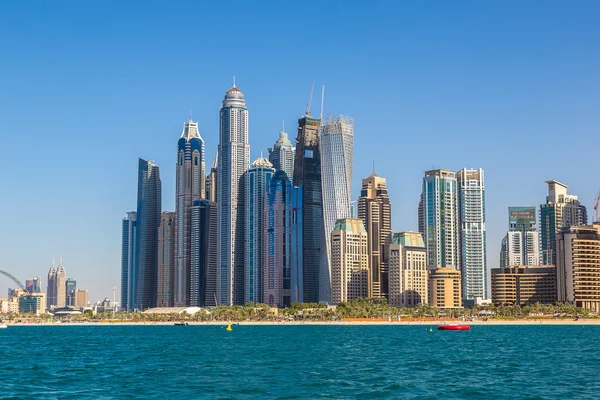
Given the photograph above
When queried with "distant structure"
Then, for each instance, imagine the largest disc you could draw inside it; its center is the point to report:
(166, 259)
(472, 257)
(51, 287)
(211, 181)
(147, 224)
(562, 210)
(203, 274)
(71, 286)
(307, 174)
(521, 245)
(61, 286)
(578, 266)
(408, 283)
(349, 261)
(258, 179)
(80, 298)
(282, 154)
(190, 187)
(444, 288)
(233, 162)
(128, 246)
(523, 285)
(374, 209)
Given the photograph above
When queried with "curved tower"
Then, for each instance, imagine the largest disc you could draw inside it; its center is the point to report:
(190, 188)
(233, 162)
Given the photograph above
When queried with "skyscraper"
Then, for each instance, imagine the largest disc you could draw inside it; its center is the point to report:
(520, 246)
(472, 233)
(61, 286)
(51, 288)
(337, 153)
(408, 275)
(190, 187)
(203, 274)
(166, 259)
(258, 178)
(37, 285)
(128, 246)
(282, 154)
(278, 241)
(561, 210)
(438, 218)
(374, 209)
(233, 162)
(211, 181)
(148, 222)
(307, 173)
(70, 286)
(349, 261)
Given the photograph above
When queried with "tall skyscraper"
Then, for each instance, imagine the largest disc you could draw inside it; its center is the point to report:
(190, 187)
(438, 222)
(408, 275)
(374, 209)
(128, 246)
(233, 162)
(203, 275)
(307, 173)
(258, 178)
(472, 257)
(520, 246)
(37, 285)
(51, 288)
(337, 154)
(561, 210)
(166, 259)
(61, 286)
(70, 286)
(148, 222)
(282, 154)
(278, 241)
(211, 181)
(349, 261)
(297, 251)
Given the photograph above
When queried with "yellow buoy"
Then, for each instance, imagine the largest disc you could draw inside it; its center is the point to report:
(229, 327)
(430, 330)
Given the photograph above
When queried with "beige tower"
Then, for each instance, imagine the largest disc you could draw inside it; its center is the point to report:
(408, 283)
(61, 286)
(166, 260)
(445, 288)
(374, 209)
(349, 261)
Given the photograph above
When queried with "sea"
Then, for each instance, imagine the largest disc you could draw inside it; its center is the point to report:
(300, 362)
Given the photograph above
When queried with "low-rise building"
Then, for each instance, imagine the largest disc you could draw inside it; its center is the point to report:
(34, 303)
(524, 285)
(4, 305)
(445, 288)
(80, 298)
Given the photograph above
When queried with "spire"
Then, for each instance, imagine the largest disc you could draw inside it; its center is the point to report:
(190, 115)
(234, 81)
(283, 126)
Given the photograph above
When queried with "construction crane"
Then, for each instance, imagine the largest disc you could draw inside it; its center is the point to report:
(312, 90)
(596, 205)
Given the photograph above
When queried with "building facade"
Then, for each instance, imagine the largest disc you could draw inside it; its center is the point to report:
(203, 277)
(80, 298)
(578, 266)
(445, 288)
(282, 154)
(211, 181)
(349, 261)
(522, 285)
(520, 246)
(51, 287)
(128, 245)
(32, 304)
(374, 209)
(233, 162)
(148, 222)
(190, 187)
(71, 286)
(258, 179)
(61, 286)
(408, 273)
(166, 259)
(472, 257)
(307, 173)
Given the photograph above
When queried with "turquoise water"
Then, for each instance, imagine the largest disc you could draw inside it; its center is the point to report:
(294, 362)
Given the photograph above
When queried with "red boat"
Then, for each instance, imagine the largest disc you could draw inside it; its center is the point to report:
(454, 327)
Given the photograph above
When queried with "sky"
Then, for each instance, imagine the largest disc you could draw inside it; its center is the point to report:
(88, 87)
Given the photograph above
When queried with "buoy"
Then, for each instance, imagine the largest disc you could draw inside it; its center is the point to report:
(229, 327)
(430, 330)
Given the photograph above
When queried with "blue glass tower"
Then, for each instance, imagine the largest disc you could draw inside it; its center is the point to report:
(128, 234)
(203, 273)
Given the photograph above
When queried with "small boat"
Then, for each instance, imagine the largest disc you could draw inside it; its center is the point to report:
(453, 327)
(181, 323)
(3, 326)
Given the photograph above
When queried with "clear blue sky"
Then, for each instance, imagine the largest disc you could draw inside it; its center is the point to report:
(88, 87)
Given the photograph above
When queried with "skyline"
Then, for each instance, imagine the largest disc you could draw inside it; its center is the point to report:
(477, 101)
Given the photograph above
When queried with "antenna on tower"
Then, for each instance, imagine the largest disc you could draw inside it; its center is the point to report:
(312, 90)
(234, 81)
(322, 100)
(283, 125)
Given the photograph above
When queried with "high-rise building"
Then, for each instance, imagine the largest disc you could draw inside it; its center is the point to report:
(166, 259)
(70, 285)
(258, 178)
(374, 209)
(297, 251)
(282, 154)
(80, 298)
(472, 257)
(444, 288)
(37, 285)
(578, 266)
(561, 210)
(278, 240)
(211, 181)
(408, 274)
(61, 286)
(524, 285)
(51, 288)
(337, 155)
(233, 162)
(203, 275)
(520, 246)
(307, 173)
(29, 285)
(438, 218)
(349, 261)
(148, 222)
(190, 187)
(128, 246)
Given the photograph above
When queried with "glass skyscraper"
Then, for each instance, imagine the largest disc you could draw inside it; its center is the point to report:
(128, 235)
(203, 274)
(520, 246)
(281, 155)
(233, 162)
(166, 259)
